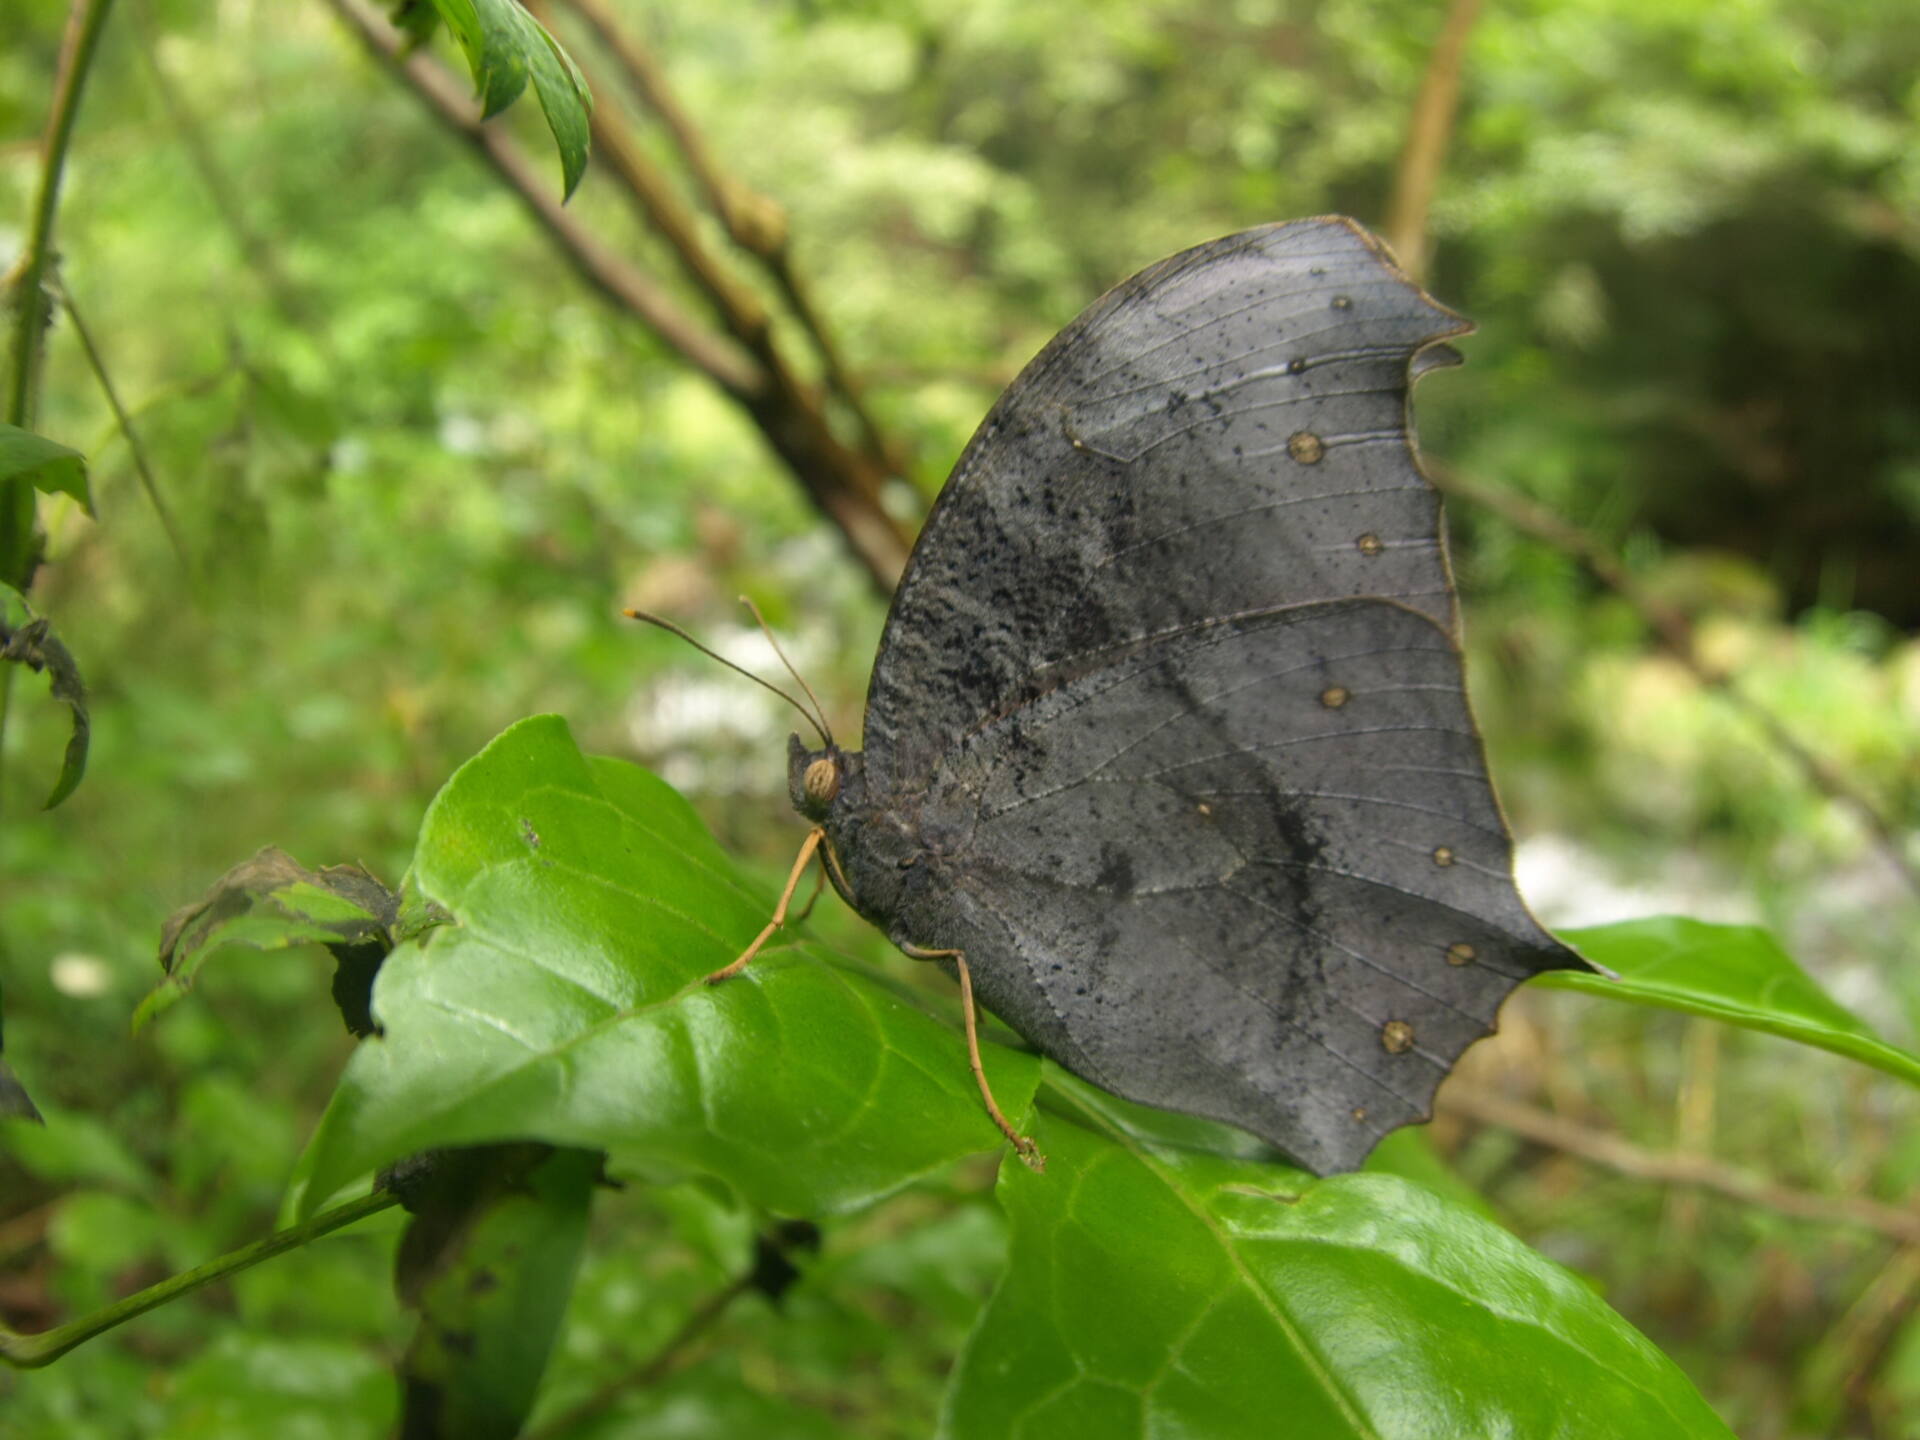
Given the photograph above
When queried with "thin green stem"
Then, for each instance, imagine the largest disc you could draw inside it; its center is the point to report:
(28, 1352)
(25, 286)
(30, 313)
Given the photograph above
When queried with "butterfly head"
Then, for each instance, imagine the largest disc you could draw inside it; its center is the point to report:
(815, 778)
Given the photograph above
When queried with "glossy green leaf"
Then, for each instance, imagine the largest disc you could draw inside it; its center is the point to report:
(505, 46)
(44, 464)
(489, 1260)
(1158, 1289)
(1409, 1154)
(566, 1004)
(1735, 973)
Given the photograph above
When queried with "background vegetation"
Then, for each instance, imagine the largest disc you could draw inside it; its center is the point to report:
(415, 467)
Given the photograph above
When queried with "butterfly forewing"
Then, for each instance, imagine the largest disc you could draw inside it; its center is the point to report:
(1225, 432)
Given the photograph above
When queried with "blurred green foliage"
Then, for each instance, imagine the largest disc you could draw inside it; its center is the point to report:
(419, 468)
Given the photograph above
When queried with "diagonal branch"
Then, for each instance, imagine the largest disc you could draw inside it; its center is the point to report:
(1703, 1172)
(739, 309)
(1675, 632)
(834, 477)
(616, 280)
(756, 223)
(142, 467)
(1428, 131)
(653, 194)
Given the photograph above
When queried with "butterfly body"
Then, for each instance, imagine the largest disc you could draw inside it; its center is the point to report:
(1167, 731)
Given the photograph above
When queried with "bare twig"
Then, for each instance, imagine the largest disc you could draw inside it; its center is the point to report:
(1675, 632)
(134, 445)
(755, 222)
(617, 281)
(1428, 131)
(738, 308)
(794, 428)
(1703, 1172)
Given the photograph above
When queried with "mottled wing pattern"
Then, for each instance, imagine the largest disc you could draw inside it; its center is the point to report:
(1253, 871)
(1225, 432)
(1167, 730)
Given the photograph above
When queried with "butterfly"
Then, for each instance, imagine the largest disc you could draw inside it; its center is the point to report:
(1167, 752)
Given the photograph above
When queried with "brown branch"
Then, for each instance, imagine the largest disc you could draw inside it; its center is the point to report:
(737, 307)
(792, 426)
(1428, 131)
(755, 222)
(1675, 632)
(1610, 1152)
(616, 280)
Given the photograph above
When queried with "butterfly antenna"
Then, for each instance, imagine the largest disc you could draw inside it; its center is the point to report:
(711, 654)
(821, 723)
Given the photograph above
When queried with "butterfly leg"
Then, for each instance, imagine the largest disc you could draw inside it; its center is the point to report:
(1023, 1145)
(807, 847)
(819, 883)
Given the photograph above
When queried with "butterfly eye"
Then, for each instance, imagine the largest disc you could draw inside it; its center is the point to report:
(822, 781)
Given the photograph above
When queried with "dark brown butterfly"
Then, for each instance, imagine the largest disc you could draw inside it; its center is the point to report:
(1166, 742)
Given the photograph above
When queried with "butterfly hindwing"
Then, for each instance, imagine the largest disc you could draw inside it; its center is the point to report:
(1254, 871)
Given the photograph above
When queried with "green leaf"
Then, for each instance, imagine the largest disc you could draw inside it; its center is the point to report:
(272, 902)
(416, 19)
(46, 466)
(1409, 1154)
(489, 1259)
(1158, 1289)
(504, 45)
(567, 1005)
(1735, 973)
